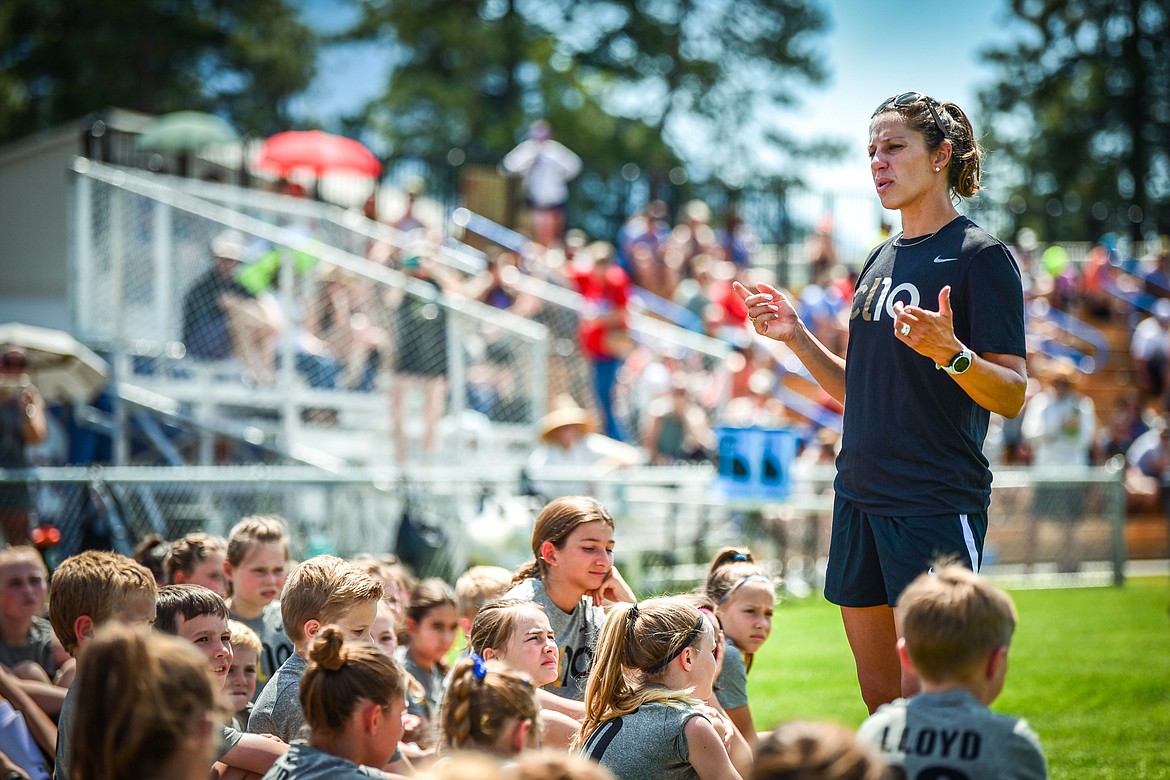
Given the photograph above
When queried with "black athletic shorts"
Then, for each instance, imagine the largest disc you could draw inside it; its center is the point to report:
(873, 558)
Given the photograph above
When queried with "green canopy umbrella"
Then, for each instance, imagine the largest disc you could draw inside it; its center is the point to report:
(187, 131)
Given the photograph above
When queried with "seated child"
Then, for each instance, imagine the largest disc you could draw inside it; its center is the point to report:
(353, 697)
(198, 559)
(322, 590)
(87, 591)
(805, 750)
(27, 644)
(146, 707)
(384, 633)
(257, 563)
(199, 615)
(476, 587)
(489, 707)
(518, 633)
(241, 679)
(655, 663)
(571, 576)
(431, 624)
(744, 599)
(956, 628)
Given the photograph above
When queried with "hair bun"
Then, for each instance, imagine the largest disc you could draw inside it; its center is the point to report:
(329, 649)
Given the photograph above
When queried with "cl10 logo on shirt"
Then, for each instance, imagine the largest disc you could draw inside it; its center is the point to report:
(873, 298)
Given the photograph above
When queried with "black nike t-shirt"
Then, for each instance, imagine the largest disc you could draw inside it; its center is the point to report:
(912, 443)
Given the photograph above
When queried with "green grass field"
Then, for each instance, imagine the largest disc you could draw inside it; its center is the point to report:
(1090, 670)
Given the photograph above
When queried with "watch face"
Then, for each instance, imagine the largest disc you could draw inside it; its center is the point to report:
(961, 363)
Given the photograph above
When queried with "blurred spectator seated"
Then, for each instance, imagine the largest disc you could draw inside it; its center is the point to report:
(1124, 426)
(207, 331)
(343, 322)
(678, 430)
(1147, 349)
(567, 440)
(1147, 468)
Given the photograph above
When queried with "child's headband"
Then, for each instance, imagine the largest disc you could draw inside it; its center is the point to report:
(737, 586)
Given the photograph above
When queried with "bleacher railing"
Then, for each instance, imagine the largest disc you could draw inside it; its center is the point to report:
(319, 332)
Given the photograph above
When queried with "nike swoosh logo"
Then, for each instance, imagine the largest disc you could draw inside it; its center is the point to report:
(945, 259)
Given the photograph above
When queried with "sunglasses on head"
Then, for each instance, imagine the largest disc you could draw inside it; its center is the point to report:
(909, 99)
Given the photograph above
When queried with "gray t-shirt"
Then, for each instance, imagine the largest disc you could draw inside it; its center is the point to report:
(277, 709)
(576, 634)
(276, 647)
(731, 685)
(433, 683)
(649, 742)
(951, 734)
(64, 762)
(38, 649)
(302, 762)
(228, 740)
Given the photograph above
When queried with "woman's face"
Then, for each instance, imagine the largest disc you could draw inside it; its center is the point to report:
(901, 165)
(532, 647)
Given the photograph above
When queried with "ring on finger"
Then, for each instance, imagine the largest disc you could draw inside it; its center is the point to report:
(905, 330)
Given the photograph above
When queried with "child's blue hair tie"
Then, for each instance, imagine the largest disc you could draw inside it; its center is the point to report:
(739, 558)
(478, 666)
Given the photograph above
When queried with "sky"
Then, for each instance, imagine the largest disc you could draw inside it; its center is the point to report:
(872, 48)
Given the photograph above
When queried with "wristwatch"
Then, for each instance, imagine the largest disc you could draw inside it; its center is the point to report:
(959, 363)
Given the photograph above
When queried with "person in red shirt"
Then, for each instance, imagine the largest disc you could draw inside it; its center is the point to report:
(604, 331)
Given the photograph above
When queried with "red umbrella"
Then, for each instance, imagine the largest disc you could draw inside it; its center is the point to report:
(316, 151)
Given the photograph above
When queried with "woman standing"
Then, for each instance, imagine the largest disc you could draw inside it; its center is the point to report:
(936, 342)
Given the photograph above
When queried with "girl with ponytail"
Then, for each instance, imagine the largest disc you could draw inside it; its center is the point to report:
(489, 707)
(744, 597)
(571, 576)
(655, 663)
(353, 696)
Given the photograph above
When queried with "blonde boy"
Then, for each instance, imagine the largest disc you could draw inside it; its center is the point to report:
(476, 587)
(322, 590)
(241, 682)
(88, 590)
(956, 628)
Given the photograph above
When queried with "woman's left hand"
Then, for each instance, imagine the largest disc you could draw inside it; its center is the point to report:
(929, 333)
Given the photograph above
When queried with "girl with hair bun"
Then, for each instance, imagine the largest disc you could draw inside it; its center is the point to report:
(571, 577)
(353, 697)
(147, 706)
(744, 597)
(936, 344)
(489, 707)
(655, 664)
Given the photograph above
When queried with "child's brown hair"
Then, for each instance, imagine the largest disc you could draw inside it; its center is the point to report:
(479, 585)
(494, 624)
(97, 584)
(23, 552)
(253, 530)
(139, 697)
(481, 699)
(952, 620)
(341, 674)
(805, 750)
(187, 553)
(556, 521)
(323, 588)
(188, 602)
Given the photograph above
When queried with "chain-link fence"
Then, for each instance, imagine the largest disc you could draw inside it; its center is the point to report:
(1058, 528)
